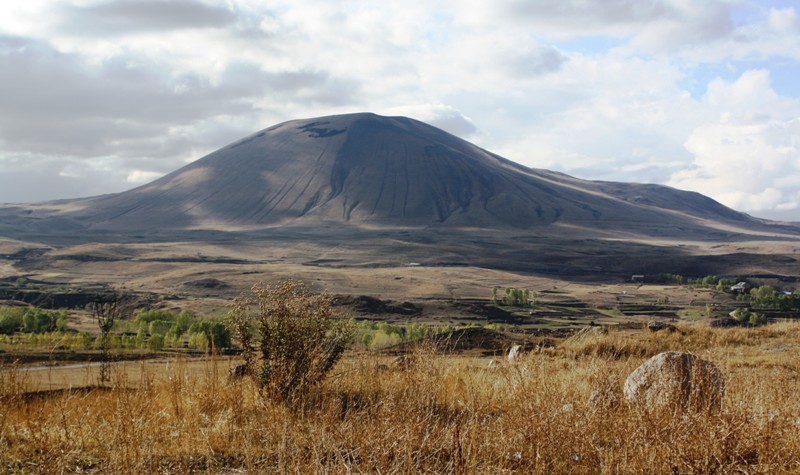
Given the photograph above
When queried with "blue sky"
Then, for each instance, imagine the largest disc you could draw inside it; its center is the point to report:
(99, 96)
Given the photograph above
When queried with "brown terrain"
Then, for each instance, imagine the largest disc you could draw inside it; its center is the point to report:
(406, 227)
(384, 207)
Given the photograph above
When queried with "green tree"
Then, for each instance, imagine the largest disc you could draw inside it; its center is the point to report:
(37, 320)
(709, 281)
(160, 327)
(62, 321)
(152, 315)
(183, 321)
(86, 340)
(216, 332)
(516, 297)
(764, 297)
(724, 284)
(156, 342)
(11, 319)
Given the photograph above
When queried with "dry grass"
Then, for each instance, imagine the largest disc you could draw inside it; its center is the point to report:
(442, 414)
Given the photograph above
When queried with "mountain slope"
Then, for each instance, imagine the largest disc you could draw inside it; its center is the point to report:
(364, 169)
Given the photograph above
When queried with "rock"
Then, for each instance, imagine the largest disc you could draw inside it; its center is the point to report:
(514, 353)
(657, 325)
(675, 380)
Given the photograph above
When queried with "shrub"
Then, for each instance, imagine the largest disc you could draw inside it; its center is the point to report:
(740, 314)
(384, 340)
(290, 338)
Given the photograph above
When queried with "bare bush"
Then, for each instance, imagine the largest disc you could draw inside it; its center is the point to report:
(290, 337)
(106, 311)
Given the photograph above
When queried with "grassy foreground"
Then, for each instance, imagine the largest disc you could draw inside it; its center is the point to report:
(441, 414)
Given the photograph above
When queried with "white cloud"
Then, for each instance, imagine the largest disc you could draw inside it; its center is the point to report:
(614, 120)
(119, 17)
(656, 24)
(442, 116)
(142, 176)
(749, 158)
(596, 89)
(784, 20)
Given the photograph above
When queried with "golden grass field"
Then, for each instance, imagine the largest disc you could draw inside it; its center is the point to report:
(443, 414)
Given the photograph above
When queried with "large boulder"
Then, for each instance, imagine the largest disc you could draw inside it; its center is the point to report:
(675, 380)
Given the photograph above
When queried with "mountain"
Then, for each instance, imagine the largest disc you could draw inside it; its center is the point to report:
(364, 191)
(367, 170)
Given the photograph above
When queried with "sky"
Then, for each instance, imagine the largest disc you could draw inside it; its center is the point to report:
(100, 96)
